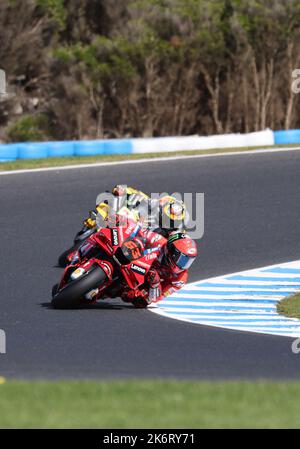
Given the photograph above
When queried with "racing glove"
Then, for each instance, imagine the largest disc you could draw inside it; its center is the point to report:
(155, 290)
(90, 222)
(153, 278)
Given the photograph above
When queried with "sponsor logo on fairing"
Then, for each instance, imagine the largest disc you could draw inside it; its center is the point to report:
(115, 237)
(91, 296)
(77, 273)
(150, 257)
(138, 269)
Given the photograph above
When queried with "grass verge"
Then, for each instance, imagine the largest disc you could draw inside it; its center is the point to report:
(22, 164)
(149, 404)
(290, 306)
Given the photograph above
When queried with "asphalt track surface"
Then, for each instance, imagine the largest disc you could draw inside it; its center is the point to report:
(251, 219)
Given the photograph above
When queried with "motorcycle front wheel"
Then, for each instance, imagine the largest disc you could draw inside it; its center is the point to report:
(72, 295)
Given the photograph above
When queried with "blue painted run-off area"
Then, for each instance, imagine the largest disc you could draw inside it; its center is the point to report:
(36, 150)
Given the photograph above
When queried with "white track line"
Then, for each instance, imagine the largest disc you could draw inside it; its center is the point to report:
(145, 161)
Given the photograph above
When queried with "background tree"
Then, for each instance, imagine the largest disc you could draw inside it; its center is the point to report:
(101, 68)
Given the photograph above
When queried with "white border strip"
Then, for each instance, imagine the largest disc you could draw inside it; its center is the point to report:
(146, 161)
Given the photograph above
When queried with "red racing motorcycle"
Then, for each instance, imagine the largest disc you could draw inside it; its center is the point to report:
(117, 261)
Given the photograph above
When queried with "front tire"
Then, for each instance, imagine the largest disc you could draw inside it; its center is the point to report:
(72, 294)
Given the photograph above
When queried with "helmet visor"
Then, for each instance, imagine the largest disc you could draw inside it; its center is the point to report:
(182, 261)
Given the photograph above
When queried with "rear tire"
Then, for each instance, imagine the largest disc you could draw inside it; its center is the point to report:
(72, 294)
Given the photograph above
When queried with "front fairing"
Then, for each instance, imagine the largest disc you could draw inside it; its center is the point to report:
(133, 269)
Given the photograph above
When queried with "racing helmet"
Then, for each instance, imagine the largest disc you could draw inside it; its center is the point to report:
(119, 190)
(172, 213)
(181, 251)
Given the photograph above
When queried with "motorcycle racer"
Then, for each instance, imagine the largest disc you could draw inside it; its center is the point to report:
(174, 251)
(172, 216)
(169, 272)
(163, 215)
(123, 201)
(160, 225)
(133, 199)
(170, 258)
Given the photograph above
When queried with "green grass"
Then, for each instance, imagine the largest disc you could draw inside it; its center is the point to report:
(55, 162)
(149, 404)
(290, 306)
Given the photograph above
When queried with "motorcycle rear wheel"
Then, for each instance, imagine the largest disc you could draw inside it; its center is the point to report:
(72, 295)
